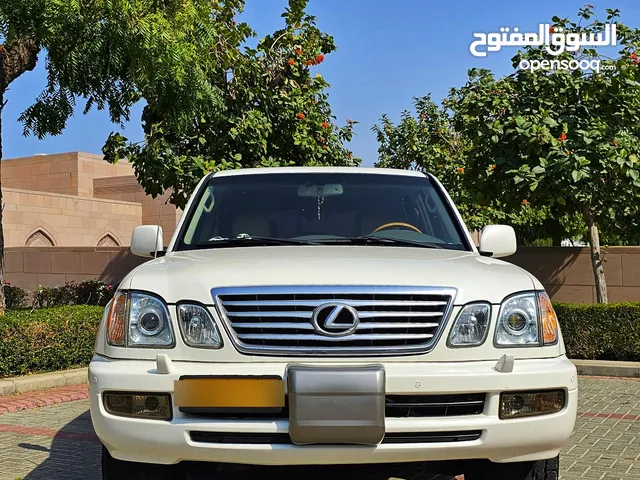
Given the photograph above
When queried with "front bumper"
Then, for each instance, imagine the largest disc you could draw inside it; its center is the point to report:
(513, 440)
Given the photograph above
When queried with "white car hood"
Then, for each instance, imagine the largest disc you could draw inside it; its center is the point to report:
(190, 275)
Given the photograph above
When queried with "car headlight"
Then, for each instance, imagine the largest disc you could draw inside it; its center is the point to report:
(471, 326)
(197, 327)
(144, 318)
(549, 320)
(527, 319)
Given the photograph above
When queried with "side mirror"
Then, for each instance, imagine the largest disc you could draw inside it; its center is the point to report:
(146, 240)
(498, 241)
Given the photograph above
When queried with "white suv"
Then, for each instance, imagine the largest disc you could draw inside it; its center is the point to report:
(329, 316)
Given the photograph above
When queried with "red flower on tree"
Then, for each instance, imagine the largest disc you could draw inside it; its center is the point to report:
(634, 57)
(552, 29)
(301, 116)
(325, 125)
(525, 202)
(460, 170)
(319, 59)
(291, 61)
(562, 137)
(308, 63)
(298, 51)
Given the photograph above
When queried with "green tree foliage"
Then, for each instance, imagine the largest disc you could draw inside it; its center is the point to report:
(110, 54)
(274, 112)
(428, 141)
(569, 140)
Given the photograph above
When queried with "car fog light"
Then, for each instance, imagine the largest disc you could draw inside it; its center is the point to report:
(139, 405)
(531, 404)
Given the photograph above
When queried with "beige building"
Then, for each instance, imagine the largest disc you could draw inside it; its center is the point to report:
(77, 200)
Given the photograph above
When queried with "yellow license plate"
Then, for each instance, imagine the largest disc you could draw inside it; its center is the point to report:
(229, 392)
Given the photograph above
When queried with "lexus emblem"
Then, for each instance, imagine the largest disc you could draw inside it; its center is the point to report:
(335, 319)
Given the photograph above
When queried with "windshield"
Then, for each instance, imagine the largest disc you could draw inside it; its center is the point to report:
(320, 208)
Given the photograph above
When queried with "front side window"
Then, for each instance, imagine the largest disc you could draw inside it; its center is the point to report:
(324, 208)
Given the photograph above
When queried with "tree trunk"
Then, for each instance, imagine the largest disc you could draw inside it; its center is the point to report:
(596, 260)
(16, 57)
(2, 302)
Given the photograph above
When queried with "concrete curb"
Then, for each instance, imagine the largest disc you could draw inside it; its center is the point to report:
(605, 368)
(43, 381)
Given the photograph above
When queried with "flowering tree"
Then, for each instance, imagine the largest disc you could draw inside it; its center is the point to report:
(274, 111)
(428, 141)
(569, 140)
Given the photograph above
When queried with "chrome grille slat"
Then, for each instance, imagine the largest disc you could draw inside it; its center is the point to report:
(271, 314)
(399, 314)
(308, 326)
(277, 320)
(315, 303)
(439, 404)
(308, 314)
(319, 338)
(375, 326)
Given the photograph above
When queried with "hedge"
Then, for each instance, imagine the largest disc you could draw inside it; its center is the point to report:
(88, 292)
(48, 339)
(601, 332)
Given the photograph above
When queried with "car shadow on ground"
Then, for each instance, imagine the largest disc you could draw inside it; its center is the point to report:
(75, 455)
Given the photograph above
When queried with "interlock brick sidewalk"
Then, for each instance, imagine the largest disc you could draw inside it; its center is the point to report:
(43, 398)
(48, 435)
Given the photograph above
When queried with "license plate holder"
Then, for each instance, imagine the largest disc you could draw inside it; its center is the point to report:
(336, 404)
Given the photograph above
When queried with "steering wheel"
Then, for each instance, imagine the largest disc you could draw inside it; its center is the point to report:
(397, 224)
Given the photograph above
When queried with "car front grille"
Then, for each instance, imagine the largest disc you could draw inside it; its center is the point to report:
(281, 321)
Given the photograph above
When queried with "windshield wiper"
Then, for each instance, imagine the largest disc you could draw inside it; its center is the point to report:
(247, 240)
(377, 240)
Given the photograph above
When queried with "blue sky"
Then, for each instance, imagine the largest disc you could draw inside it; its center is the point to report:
(388, 53)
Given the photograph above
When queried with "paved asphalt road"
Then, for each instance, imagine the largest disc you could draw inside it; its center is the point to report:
(57, 441)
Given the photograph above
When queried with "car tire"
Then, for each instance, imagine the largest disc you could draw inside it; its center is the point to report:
(114, 469)
(540, 470)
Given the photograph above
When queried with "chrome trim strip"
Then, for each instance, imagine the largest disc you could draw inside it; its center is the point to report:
(398, 314)
(333, 289)
(270, 314)
(282, 314)
(316, 303)
(343, 350)
(319, 338)
(309, 326)
(438, 404)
